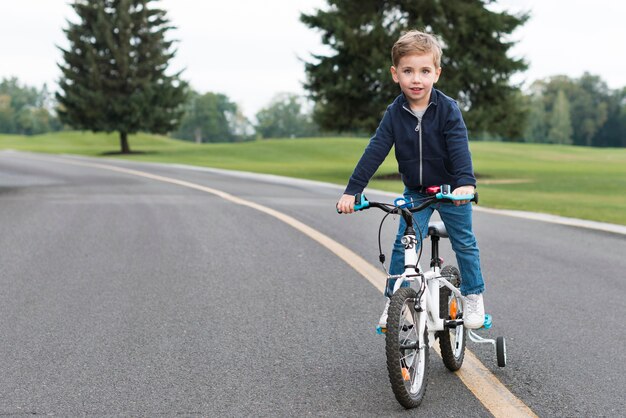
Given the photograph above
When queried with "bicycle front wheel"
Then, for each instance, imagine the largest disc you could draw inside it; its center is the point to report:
(407, 351)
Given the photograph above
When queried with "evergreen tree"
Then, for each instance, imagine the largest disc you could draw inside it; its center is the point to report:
(352, 87)
(114, 70)
(560, 122)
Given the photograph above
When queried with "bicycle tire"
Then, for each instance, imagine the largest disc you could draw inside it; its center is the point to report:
(407, 367)
(501, 351)
(451, 342)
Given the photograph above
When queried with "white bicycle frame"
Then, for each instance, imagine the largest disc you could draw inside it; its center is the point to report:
(431, 282)
(429, 300)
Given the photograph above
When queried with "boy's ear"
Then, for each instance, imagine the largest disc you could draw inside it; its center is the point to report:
(437, 73)
(394, 74)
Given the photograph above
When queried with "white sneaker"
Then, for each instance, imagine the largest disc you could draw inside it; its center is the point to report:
(382, 322)
(474, 315)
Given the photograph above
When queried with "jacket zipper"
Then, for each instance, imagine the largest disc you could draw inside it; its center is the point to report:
(418, 129)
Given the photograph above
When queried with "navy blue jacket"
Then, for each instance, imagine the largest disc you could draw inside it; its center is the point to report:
(430, 153)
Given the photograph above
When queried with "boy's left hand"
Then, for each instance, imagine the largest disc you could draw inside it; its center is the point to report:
(463, 190)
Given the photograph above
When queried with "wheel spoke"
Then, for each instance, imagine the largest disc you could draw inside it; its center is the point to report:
(417, 374)
(406, 356)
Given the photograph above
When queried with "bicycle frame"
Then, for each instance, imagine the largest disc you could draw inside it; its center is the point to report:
(430, 281)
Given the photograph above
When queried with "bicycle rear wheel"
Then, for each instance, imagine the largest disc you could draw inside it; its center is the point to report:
(451, 341)
(407, 352)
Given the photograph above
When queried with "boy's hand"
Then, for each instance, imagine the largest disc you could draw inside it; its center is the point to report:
(463, 190)
(346, 204)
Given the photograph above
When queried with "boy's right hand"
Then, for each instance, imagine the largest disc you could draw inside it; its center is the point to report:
(346, 204)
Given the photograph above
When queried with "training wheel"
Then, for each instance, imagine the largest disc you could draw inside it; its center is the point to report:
(501, 351)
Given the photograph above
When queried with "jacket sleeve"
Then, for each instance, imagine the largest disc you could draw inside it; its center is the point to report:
(373, 156)
(457, 142)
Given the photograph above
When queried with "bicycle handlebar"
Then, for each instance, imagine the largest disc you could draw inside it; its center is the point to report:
(361, 202)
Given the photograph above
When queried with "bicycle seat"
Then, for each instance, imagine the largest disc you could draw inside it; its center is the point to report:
(437, 229)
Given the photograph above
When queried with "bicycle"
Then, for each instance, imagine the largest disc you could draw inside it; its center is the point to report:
(430, 307)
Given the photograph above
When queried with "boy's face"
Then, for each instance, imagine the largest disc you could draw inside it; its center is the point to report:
(416, 74)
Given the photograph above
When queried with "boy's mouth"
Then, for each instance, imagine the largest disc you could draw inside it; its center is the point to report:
(416, 90)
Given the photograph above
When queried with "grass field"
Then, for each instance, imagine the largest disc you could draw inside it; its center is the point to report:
(579, 182)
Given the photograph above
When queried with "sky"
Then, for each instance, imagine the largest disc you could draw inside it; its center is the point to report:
(252, 50)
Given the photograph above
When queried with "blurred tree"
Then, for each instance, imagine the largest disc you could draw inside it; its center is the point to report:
(560, 122)
(536, 125)
(21, 95)
(25, 110)
(595, 112)
(590, 101)
(240, 126)
(7, 115)
(284, 118)
(114, 70)
(32, 120)
(353, 87)
(613, 132)
(212, 117)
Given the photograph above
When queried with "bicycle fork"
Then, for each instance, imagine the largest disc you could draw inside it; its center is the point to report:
(411, 272)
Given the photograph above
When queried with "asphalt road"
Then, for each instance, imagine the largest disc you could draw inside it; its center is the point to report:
(121, 295)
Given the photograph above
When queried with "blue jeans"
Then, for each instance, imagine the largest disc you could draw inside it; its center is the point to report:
(458, 221)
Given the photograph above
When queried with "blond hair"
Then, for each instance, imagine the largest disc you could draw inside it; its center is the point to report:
(416, 42)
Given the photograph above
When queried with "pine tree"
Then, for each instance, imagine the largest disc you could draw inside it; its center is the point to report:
(560, 121)
(352, 87)
(114, 70)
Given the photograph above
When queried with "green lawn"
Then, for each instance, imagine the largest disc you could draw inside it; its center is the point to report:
(580, 182)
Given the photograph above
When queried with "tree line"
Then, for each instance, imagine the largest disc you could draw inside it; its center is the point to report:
(213, 117)
(26, 110)
(556, 110)
(115, 78)
(208, 117)
(581, 111)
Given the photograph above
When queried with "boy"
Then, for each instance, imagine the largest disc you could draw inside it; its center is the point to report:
(431, 147)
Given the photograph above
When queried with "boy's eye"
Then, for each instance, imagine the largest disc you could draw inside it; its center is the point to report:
(426, 71)
(407, 71)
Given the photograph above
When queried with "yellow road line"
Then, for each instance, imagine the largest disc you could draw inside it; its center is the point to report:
(478, 379)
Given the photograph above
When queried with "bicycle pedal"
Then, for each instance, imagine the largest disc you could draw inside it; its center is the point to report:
(381, 330)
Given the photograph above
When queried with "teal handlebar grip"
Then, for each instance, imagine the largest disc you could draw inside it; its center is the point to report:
(360, 202)
(450, 196)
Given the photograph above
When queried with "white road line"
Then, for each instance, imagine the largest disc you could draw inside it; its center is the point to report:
(479, 380)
